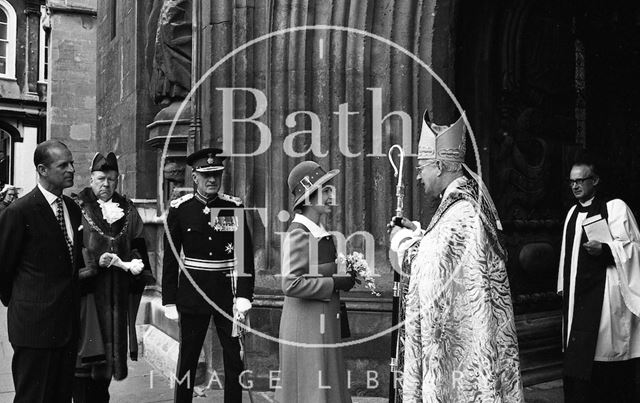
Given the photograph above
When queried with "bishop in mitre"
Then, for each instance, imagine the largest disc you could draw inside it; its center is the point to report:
(599, 278)
(458, 343)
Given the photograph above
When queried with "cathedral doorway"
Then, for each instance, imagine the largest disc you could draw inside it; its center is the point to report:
(543, 80)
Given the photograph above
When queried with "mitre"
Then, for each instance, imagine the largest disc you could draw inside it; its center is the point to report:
(444, 143)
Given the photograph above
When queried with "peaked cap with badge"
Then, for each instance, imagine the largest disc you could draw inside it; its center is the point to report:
(206, 160)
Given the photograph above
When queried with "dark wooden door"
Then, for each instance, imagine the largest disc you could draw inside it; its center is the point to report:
(543, 81)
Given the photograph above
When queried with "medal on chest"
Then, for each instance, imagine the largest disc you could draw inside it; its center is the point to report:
(224, 223)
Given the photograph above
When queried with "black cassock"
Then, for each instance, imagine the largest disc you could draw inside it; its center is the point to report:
(589, 293)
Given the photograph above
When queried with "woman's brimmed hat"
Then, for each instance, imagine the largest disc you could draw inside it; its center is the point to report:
(307, 177)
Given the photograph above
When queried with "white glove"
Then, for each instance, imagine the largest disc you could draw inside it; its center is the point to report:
(240, 308)
(135, 266)
(242, 305)
(116, 261)
(171, 312)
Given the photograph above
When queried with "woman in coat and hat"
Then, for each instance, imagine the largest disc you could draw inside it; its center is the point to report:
(310, 372)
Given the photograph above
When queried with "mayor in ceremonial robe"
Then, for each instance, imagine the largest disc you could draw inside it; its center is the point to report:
(459, 342)
(599, 279)
(116, 272)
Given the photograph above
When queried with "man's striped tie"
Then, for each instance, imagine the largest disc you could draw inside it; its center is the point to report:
(63, 227)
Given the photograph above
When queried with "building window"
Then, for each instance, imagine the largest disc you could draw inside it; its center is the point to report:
(5, 165)
(7, 40)
(45, 40)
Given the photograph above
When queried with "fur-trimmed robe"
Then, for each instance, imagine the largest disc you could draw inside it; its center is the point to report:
(111, 296)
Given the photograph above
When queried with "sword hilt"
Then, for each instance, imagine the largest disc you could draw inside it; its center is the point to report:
(396, 288)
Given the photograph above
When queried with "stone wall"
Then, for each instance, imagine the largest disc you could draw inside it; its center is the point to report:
(71, 109)
(124, 106)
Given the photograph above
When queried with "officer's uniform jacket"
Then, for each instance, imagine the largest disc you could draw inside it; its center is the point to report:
(207, 248)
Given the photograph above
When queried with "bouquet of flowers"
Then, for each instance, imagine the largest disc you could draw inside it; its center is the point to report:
(358, 267)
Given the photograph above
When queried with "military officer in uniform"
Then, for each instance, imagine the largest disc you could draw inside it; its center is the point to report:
(203, 225)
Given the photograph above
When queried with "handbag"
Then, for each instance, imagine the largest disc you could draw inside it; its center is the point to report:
(345, 332)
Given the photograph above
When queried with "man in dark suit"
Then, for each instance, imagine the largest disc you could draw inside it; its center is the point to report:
(40, 251)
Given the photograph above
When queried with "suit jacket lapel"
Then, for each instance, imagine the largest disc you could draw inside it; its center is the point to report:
(41, 205)
(44, 209)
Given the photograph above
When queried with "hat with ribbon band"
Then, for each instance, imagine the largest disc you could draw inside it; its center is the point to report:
(307, 177)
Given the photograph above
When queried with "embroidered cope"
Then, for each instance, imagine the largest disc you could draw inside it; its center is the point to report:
(459, 341)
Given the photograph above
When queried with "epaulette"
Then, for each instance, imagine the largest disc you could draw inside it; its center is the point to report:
(235, 200)
(177, 202)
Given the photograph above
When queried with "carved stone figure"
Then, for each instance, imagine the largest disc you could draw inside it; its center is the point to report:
(171, 68)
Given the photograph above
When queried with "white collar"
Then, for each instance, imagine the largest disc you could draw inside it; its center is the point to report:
(587, 203)
(454, 184)
(51, 198)
(317, 231)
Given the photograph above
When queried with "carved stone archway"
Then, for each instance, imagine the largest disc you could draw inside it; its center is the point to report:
(515, 72)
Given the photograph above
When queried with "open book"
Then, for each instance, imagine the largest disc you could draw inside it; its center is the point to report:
(597, 229)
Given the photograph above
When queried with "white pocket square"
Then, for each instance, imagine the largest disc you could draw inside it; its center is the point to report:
(80, 228)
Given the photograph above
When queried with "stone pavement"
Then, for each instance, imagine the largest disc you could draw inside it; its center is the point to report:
(145, 385)
(137, 389)
(549, 392)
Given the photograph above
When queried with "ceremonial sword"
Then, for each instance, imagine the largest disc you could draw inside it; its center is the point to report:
(238, 330)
